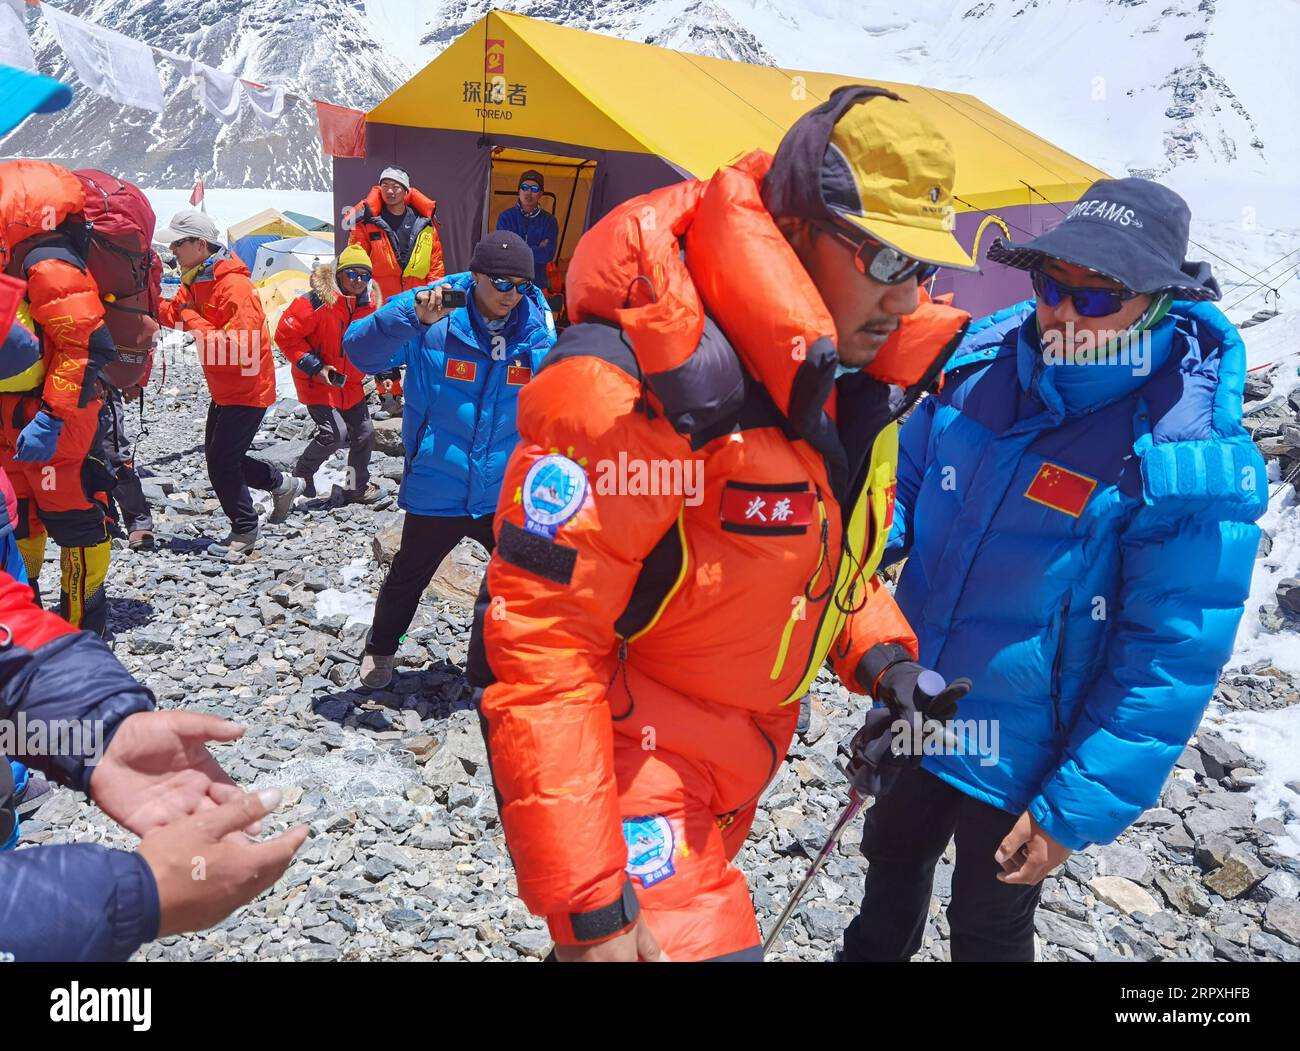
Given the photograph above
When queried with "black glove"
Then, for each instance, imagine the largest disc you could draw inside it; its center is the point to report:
(888, 673)
(908, 692)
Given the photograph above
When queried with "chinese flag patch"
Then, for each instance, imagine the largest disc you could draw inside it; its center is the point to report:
(518, 375)
(890, 495)
(461, 370)
(1061, 489)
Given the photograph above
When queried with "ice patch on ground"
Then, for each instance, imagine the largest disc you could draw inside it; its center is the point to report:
(355, 570)
(357, 606)
(357, 773)
(1271, 737)
(285, 391)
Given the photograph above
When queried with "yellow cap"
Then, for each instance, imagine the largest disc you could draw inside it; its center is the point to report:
(889, 170)
(354, 255)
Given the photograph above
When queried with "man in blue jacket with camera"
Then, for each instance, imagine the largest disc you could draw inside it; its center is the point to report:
(465, 366)
(1078, 506)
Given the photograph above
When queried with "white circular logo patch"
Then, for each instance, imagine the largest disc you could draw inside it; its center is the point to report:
(553, 491)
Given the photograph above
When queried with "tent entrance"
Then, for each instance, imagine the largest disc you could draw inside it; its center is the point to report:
(567, 195)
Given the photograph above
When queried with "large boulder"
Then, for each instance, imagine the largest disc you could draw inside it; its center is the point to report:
(384, 544)
(388, 438)
(461, 573)
(457, 579)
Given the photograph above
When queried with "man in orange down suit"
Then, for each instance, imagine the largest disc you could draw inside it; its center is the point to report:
(397, 227)
(49, 414)
(690, 523)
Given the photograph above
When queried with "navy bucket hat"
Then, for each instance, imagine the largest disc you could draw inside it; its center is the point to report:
(1133, 231)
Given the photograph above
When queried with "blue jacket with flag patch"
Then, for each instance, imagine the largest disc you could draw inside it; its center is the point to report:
(1081, 543)
(459, 424)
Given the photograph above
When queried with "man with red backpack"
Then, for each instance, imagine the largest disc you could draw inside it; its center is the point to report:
(310, 335)
(80, 241)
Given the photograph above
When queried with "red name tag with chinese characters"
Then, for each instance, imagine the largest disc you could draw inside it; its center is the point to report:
(518, 375)
(1061, 489)
(767, 510)
(461, 370)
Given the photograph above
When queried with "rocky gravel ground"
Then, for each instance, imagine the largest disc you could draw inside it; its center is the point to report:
(406, 859)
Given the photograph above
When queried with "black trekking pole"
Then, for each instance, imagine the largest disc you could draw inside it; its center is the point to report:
(864, 774)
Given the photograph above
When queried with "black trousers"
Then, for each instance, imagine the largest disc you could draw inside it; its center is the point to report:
(426, 541)
(336, 428)
(906, 832)
(118, 453)
(226, 440)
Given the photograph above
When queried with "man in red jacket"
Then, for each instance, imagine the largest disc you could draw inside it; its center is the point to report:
(310, 335)
(218, 303)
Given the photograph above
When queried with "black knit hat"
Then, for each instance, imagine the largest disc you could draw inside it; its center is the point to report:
(503, 254)
(534, 175)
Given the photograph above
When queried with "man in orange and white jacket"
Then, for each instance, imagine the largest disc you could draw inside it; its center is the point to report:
(397, 227)
(691, 522)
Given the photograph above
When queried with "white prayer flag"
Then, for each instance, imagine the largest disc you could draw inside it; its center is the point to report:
(218, 92)
(108, 63)
(267, 103)
(15, 48)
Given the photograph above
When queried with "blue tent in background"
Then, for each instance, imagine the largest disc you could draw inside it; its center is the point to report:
(246, 247)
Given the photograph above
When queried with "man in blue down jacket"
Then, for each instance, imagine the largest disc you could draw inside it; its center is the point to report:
(1078, 506)
(465, 368)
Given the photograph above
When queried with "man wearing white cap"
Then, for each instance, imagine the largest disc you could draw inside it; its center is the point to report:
(219, 305)
(397, 228)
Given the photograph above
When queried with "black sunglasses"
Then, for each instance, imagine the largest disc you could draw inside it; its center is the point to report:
(878, 261)
(1088, 302)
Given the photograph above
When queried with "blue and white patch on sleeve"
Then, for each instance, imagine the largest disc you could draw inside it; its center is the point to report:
(650, 844)
(553, 491)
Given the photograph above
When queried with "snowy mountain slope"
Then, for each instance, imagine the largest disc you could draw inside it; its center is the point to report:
(1195, 92)
(321, 48)
(1199, 93)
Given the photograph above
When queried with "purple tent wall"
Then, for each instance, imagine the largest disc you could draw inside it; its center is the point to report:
(452, 168)
(995, 286)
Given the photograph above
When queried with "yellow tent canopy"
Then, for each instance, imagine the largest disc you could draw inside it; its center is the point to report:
(519, 76)
(278, 291)
(605, 120)
(266, 222)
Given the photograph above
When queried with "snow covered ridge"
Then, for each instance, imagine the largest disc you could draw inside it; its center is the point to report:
(1190, 91)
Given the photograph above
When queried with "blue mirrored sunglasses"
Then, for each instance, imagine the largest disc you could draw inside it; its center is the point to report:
(353, 274)
(1088, 302)
(531, 187)
(504, 284)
